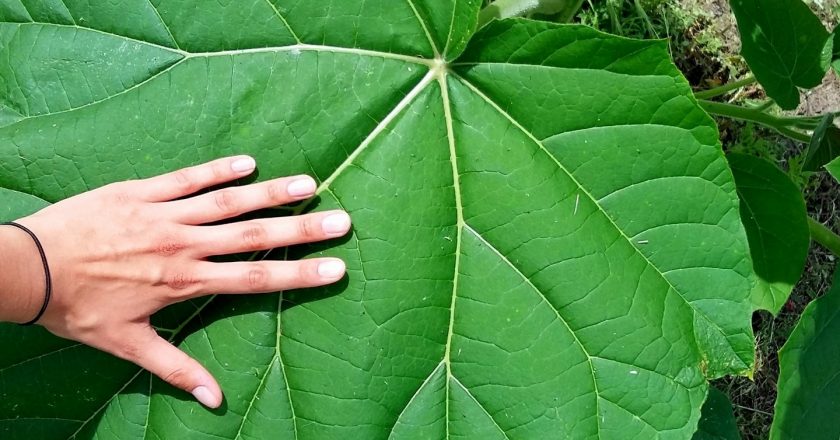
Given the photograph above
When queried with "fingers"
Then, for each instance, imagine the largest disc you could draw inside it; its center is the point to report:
(176, 368)
(232, 202)
(190, 180)
(271, 233)
(268, 276)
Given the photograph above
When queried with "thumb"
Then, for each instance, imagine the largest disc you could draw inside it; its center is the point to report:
(172, 365)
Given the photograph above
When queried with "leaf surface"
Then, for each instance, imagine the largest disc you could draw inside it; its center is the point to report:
(547, 235)
(809, 362)
(774, 215)
(836, 55)
(785, 45)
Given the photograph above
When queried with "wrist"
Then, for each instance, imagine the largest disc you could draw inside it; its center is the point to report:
(21, 278)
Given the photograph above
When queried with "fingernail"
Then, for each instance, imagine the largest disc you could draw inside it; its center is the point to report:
(303, 187)
(243, 165)
(203, 395)
(336, 224)
(332, 269)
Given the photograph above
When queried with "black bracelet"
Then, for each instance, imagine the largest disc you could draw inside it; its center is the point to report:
(48, 278)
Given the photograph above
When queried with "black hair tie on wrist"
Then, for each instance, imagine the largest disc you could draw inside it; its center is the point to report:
(48, 278)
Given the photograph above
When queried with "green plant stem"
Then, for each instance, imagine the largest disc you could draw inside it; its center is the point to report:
(765, 105)
(506, 8)
(567, 15)
(517, 8)
(724, 89)
(640, 11)
(824, 236)
(782, 125)
(612, 11)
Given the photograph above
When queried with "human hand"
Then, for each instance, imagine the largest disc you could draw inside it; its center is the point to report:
(120, 253)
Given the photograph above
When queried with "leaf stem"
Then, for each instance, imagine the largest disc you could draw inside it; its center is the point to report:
(782, 125)
(500, 9)
(568, 14)
(724, 89)
(824, 236)
(765, 105)
(506, 8)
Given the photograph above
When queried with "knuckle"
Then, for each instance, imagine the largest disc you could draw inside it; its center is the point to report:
(120, 192)
(184, 180)
(258, 278)
(308, 273)
(219, 171)
(122, 197)
(169, 247)
(181, 282)
(307, 229)
(275, 193)
(255, 236)
(226, 202)
(129, 351)
(179, 378)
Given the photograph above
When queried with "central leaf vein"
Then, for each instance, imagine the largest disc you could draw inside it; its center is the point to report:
(459, 212)
(544, 298)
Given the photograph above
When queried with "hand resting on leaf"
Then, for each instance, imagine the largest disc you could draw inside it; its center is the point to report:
(120, 253)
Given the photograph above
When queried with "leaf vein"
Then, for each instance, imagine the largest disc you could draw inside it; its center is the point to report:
(165, 26)
(621, 233)
(553, 308)
(495, 423)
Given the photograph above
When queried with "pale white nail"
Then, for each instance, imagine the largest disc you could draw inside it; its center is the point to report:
(331, 270)
(336, 224)
(302, 187)
(203, 395)
(243, 165)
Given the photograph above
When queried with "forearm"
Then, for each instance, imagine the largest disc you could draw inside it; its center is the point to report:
(21, 276)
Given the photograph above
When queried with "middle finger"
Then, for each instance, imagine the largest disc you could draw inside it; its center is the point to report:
(270, 233)
(235, 201)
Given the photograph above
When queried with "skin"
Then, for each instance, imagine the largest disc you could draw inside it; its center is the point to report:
(120, 253)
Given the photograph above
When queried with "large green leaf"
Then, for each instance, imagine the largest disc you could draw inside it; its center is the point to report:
(547, 233)
(718, 420)
(809, 362)
(774, 215)
(785, 45)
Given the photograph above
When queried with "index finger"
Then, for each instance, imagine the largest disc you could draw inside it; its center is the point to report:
(187, 181)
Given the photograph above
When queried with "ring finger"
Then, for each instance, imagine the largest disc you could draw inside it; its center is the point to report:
(269, 276)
